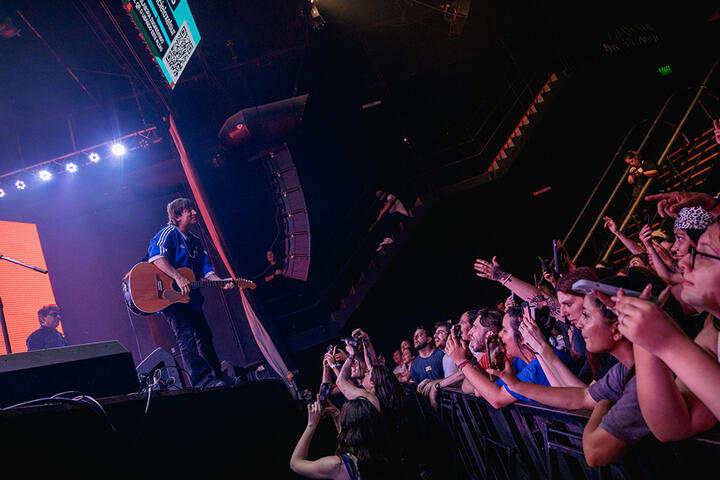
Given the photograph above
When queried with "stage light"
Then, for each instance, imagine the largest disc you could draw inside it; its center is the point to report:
(20, 185)
(118, 149)
(45, 175)
(94, 157)
(2, 193)
(71, 167)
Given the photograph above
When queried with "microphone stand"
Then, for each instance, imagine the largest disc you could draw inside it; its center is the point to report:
(3, 325)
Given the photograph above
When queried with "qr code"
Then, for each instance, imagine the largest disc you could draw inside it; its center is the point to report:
(178, 55)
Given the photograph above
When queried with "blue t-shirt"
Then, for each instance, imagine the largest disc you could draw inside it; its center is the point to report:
(182, 251)
(533, 373)
(624, 420)
(430, 367)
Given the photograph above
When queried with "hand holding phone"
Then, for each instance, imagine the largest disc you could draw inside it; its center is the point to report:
(586, 287)
(493, 347)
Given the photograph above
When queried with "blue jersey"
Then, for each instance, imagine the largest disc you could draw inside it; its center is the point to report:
(181, 251)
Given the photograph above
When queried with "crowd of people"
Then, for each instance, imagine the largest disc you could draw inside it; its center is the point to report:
(637, 346)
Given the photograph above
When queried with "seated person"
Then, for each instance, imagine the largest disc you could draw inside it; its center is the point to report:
(47, 336)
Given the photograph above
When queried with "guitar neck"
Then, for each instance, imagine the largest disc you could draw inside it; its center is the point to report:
(208, 283)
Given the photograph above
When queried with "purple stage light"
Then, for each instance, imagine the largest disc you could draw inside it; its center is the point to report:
(71, 167)
(45, 175)
(2, 193)
(20, 185)
(94, 157)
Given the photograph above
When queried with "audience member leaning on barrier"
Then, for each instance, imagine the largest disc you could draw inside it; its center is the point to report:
(677, 409)
(523, 361)
(616, 421)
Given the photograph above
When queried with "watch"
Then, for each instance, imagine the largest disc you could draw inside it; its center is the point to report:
(437, 386)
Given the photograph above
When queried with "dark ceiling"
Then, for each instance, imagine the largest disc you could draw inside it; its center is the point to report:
(78, 75)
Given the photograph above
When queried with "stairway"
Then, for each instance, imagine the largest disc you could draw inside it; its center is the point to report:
(688, 169)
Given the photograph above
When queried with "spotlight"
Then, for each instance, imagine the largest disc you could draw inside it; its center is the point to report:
(71, 167)
(45, 175)
(118, 149)
(2, 193)
(94, 157)
(20, 185)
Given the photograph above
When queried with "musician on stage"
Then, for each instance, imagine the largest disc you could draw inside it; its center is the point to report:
(47, 336)
(173, 247)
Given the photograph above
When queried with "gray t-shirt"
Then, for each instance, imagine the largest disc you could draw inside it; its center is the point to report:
(624, 420)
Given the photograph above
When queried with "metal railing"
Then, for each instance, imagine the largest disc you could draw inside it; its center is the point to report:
(533, 441)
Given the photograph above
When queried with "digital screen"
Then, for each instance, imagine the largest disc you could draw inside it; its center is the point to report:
(169, 30)
(23, 291)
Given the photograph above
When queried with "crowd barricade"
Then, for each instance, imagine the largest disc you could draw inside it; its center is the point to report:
(532, 441)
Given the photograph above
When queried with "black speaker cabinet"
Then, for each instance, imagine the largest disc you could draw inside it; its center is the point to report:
(103, 369)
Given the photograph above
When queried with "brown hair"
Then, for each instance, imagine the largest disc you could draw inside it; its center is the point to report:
(177, 207)
(45, 311)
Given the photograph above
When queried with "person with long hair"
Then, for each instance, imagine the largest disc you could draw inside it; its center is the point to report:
(616, 421)
(679, 408)
(524, 362)
(361, 449)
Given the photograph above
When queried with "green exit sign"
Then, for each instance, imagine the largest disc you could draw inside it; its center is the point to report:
(664, 71)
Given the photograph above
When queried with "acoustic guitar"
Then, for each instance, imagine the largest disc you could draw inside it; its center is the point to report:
(148, 289)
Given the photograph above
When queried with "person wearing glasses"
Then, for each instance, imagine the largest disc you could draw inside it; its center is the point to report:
(47, 336)
(679, 376)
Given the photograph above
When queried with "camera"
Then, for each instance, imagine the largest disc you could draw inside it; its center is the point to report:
(353, 341)
(493, 347)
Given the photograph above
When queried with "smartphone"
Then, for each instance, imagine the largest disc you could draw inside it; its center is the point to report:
(587, 286)
(493, 347)
(529, 308)
(556, 256)
(324, 392)
(456, 331)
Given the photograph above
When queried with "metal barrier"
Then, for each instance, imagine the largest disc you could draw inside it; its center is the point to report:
(533, 441)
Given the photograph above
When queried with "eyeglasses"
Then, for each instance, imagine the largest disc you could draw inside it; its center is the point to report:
(694, 253)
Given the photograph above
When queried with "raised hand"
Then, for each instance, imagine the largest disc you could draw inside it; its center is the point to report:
(491, 271)
(611, 225)
(646, 235)
(669, 204)
(456, 349)
(314, 411)
(531, 334)
(644, 322)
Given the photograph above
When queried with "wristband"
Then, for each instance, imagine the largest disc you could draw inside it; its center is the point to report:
(506, 279)
(462, 364)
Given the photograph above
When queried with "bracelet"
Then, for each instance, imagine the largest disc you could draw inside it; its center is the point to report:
(335, 365)
(462, 364)
(506, 279)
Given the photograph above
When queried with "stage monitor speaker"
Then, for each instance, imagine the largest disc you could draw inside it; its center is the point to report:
(289, 197)
(98, 370)
(163, 361)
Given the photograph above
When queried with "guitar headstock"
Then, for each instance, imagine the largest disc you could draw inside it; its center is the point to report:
(242, 283)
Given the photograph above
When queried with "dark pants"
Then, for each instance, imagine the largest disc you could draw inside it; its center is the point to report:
(195, 342)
